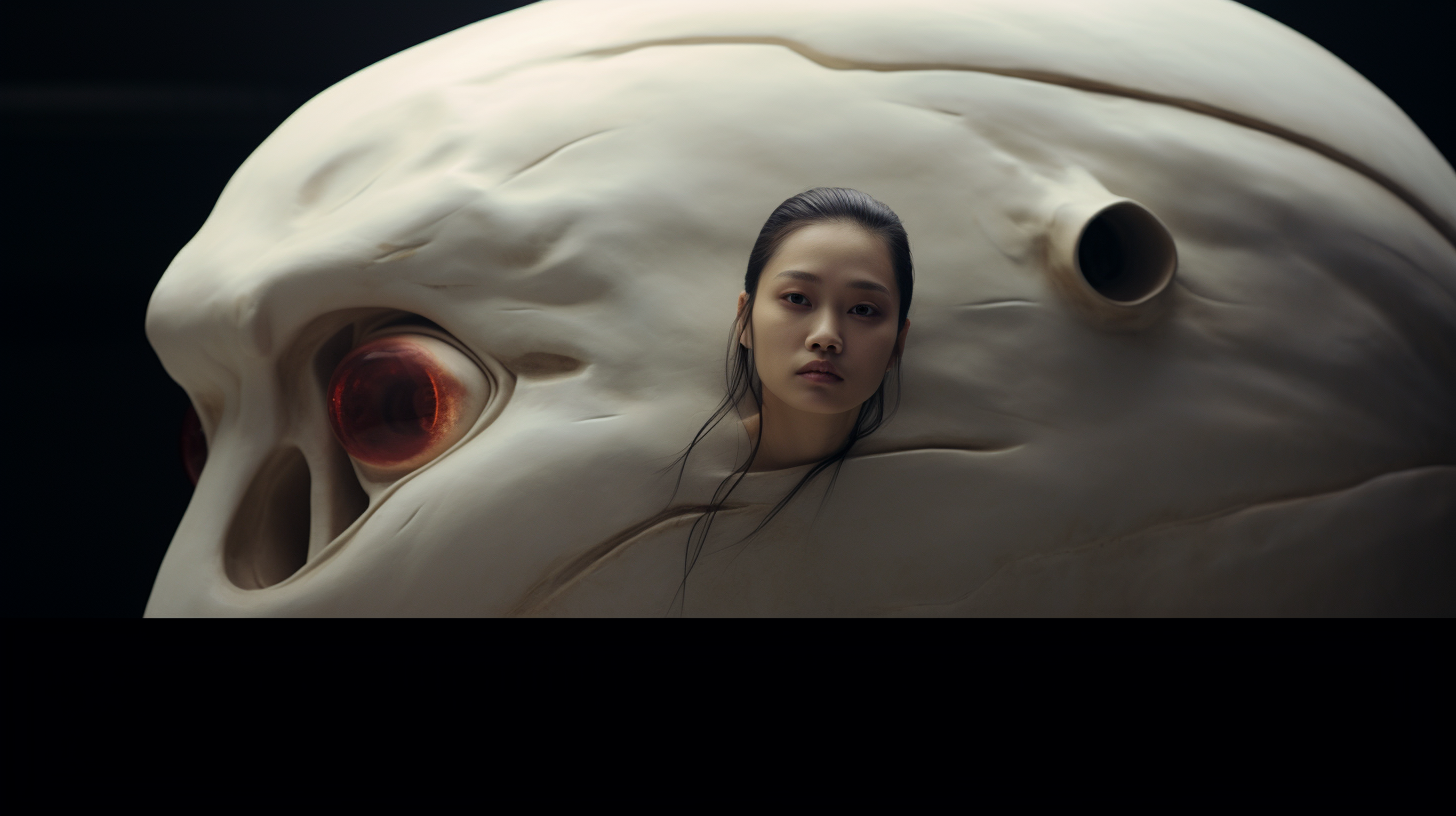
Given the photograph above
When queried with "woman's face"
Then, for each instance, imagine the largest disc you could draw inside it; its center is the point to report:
(824, 318)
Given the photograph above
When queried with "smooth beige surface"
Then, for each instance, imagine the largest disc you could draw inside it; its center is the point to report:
(571, 190)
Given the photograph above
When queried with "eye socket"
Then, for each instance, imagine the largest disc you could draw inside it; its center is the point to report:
(399, 401)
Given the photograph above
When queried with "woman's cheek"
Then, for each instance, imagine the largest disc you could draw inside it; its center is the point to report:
(783, 336)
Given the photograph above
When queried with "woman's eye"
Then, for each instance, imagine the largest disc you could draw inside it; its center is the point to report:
(796, 299)
(397, 402)
(864, 310)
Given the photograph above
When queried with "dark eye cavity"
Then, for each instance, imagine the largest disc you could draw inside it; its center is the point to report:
(399, 401)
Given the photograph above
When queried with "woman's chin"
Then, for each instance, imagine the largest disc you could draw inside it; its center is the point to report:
(821, 403)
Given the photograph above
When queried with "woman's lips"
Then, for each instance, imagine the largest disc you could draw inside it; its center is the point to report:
(820, 377)
(820, 371)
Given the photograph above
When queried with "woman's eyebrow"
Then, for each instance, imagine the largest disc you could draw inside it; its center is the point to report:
(813, 278)
(797, 275)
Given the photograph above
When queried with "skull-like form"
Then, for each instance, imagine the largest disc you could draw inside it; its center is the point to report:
(562, 199)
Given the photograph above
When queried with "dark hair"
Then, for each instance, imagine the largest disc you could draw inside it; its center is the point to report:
(817, 206)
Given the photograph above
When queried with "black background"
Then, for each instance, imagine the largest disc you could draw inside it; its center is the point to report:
(121, 124)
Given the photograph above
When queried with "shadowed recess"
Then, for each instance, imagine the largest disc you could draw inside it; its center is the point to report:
(268, 538)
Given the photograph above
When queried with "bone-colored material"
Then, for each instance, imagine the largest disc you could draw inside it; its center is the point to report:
(571, 190)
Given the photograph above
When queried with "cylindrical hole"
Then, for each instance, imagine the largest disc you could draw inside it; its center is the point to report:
(1126, 254)
(268, 539)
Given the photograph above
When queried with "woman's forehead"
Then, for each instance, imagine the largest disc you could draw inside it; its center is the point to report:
(833, 253)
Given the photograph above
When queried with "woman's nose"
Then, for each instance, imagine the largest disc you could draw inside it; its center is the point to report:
(825, 337)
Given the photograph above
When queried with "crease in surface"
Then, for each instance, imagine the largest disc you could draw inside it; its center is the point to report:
(970, 448)
(1159, 527)
(553, 152)
(997, 304)
(1431, 216)
(584, 564)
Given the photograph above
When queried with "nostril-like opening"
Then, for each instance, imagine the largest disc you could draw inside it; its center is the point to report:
(268, 538)
(1126, 254)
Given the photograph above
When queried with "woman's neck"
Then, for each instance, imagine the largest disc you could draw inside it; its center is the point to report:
(792, 437)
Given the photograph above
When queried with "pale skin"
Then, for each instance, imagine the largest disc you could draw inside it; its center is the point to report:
(827, 296)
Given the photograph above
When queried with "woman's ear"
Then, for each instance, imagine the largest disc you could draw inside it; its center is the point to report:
(745, 336)
(899, 345)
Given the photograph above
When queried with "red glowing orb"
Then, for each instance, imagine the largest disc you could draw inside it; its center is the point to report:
(389, 401)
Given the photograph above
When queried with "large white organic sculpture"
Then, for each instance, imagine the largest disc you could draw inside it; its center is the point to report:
(569, 192)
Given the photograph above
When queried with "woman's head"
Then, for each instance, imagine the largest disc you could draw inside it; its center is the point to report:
(823, 322)
(828, 287)
(829, 282)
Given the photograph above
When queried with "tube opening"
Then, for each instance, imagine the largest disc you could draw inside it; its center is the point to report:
(1125, 254)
